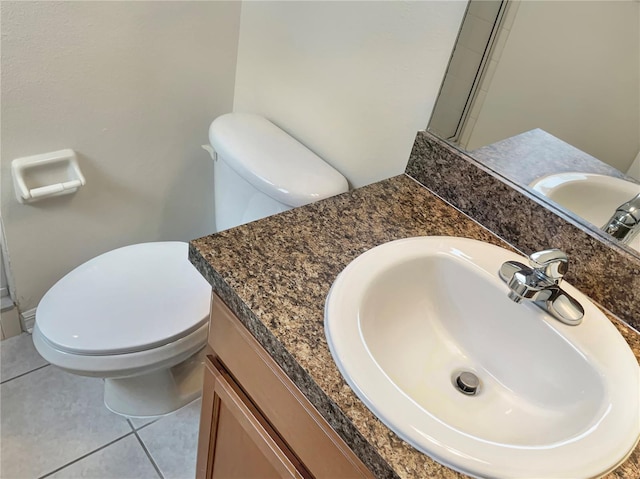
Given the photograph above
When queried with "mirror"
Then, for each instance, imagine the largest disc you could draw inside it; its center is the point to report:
(544, 88)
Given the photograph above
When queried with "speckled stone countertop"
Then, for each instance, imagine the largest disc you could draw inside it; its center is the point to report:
(275, 274)
(530, 155)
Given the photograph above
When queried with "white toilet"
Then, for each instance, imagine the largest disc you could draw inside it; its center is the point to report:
(137, 316)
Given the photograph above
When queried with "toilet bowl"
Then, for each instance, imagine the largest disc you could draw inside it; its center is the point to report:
(135, 316)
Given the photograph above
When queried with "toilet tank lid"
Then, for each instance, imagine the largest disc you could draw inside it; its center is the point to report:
(273, 161)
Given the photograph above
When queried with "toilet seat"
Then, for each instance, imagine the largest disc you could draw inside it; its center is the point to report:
(121, 365)
(129, 300)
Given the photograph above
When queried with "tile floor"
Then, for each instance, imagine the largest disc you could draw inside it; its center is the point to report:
(55, 425)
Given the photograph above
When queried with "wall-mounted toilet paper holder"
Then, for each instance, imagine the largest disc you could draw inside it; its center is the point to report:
(44, 176)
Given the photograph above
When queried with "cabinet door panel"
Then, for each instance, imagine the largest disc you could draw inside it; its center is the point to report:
(242, 443)
(305, 431)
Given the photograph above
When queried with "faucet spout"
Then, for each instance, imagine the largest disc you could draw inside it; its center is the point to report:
(624, 225)
(540, 282)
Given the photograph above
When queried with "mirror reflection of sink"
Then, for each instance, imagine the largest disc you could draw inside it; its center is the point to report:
(404, 321)
(590, 196)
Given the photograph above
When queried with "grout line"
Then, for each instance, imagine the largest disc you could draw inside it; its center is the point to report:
(149, 423)
(134, 428)
(145, 425)
(24, 374)
(146, 451)
(86, 455)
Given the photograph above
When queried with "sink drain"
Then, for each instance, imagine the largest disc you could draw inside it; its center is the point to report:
(467, 383)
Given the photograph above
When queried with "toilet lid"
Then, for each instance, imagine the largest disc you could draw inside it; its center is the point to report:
(130, 299)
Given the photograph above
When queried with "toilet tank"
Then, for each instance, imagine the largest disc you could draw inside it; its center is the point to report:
(260, 170)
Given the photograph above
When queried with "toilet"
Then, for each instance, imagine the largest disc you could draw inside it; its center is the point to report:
(137, 316)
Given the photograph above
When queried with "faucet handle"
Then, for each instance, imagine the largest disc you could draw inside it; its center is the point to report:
(552, 263)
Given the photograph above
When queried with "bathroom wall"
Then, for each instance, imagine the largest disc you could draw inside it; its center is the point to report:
(132, 87)
(594, 105)
(354, 81)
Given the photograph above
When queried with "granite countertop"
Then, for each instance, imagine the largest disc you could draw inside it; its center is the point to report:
(275, 274)
(540, 154)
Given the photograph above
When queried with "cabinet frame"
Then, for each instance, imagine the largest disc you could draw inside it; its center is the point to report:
(319, 450)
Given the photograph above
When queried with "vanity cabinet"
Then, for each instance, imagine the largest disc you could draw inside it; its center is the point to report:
(255, 422)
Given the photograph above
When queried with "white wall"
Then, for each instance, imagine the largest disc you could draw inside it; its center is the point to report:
(132, 87)
(572, 69)
(354, 81)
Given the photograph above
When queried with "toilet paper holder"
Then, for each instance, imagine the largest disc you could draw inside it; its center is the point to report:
(47, 175)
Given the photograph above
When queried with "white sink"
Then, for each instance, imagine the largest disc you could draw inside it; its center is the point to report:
(405, 318)
(592, 197)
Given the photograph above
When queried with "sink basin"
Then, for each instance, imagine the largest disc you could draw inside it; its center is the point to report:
(406, 318)
(592, 197)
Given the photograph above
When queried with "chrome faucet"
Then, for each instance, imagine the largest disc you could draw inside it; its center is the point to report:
(624, 225)
(540, 283)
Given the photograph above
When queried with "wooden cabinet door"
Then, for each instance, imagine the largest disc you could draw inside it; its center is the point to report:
(242, 444)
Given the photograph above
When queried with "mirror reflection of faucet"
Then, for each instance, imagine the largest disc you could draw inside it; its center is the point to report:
(624, 225)
(540, 283)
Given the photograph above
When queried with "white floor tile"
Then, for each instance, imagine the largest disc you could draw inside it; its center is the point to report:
(173, 441)
(18, 356)
(138, 422)
(124, 459)
(50, 418)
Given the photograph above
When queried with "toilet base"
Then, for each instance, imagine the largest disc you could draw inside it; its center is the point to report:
(157, 393)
